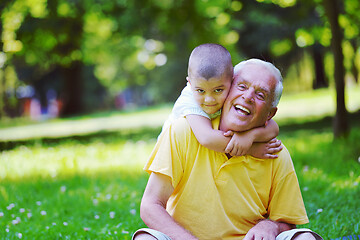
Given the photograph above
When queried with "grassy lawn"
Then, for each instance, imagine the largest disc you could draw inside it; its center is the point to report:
(89, 186)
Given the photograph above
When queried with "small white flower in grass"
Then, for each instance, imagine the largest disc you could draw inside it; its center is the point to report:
(47, 227)
(108, 196)
(54, 223)
(7, 230)
(22, 210)
(124, 232)
(38, 203)
(95, 202)
(29, 215)
(97, 217)
(112, 214)
(133, 211)
(305, 189)
(43, 212)
(63, 188)
(1, 214)
(320, 210)
(15, 221)
(19, 235)
(11, 206)
(65, 223)
(86, 229)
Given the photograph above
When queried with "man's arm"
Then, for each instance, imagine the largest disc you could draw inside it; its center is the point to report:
(267, 229)
(153, 208)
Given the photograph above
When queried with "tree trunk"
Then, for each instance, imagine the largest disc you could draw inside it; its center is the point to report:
(340, 123)
(73, 90)
(320, 80)
(354, 69)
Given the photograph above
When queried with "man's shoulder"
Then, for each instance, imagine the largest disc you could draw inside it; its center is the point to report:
(284, 160)
(180, 125)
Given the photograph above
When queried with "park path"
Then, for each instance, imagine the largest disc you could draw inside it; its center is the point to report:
(64, 128)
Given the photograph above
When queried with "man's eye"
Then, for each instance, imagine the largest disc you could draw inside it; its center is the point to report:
(261, 96)
(218, 90)
(242, 86)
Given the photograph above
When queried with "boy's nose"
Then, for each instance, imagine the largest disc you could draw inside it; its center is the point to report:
(209, 99)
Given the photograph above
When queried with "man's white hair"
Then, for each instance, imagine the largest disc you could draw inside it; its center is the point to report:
(276, 72)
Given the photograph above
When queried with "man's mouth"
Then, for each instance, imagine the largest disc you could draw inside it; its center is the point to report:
(242, 110)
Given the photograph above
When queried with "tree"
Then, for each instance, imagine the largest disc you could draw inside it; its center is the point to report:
(340, 124)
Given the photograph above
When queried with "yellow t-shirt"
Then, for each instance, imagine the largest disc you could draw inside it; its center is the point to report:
(219, 198)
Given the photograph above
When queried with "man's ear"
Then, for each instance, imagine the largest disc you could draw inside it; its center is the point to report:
(272, 113)
(188, 80)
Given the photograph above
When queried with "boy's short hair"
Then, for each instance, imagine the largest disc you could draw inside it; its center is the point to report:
(210, 60)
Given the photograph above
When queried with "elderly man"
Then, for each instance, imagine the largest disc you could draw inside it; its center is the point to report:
(197, 193)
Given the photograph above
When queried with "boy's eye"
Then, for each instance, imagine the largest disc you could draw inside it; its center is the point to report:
(200, 91)
(218, 90)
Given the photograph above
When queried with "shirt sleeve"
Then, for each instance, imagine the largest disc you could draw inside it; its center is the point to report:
(286, 203)
(169, 154)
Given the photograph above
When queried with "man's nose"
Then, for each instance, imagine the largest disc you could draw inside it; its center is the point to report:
(248, 96)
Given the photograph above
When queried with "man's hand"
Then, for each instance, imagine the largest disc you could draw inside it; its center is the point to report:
(264, 230)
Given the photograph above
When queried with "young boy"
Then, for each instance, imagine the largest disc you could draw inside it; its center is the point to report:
(210, 74)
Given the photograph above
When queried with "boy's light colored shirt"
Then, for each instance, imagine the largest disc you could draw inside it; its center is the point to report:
(186, 105)
(219, 198)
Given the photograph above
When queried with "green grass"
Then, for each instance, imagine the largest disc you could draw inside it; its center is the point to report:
(89, 186)
(74, 188)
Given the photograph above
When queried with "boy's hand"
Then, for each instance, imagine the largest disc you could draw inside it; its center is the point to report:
(239, 144)
(266, 150)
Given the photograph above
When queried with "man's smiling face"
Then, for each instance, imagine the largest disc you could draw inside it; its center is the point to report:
(249, 103)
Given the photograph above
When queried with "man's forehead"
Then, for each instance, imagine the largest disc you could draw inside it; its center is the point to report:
(259, 75)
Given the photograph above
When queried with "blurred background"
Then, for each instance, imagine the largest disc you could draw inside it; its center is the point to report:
(63, 58)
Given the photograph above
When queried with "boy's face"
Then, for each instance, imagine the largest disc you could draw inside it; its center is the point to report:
(211, 93)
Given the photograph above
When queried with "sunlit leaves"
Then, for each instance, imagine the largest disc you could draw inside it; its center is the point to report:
(37, 8)
(229, 38)
(236, 6)
(99, 25)
(211, 8)
(65, 10)
(304, 38)
(280, 47)
(281, 3)
(351, 30)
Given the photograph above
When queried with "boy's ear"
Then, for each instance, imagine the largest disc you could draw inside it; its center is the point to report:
(188, 79)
